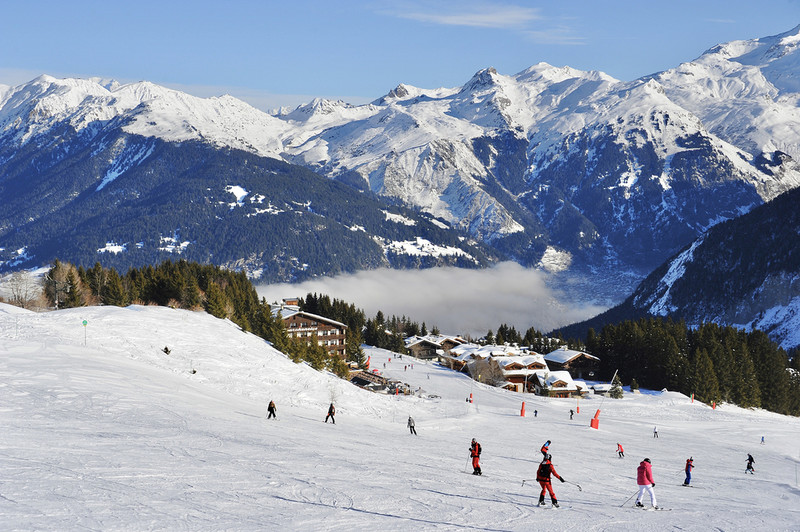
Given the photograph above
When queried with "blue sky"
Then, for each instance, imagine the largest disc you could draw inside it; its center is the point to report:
(272, 53)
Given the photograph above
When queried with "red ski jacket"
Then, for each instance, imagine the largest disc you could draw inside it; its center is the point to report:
(545, 469)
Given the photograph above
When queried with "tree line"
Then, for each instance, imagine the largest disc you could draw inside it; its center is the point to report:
(714, 362)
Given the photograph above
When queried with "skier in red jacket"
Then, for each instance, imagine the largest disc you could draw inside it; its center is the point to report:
(644, 478)
(543, 478)
(475, 453)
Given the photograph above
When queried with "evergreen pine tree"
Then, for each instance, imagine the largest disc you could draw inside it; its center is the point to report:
(704, 380)
(216, 302)
(616, 388)
(112, 291)
(74, 291)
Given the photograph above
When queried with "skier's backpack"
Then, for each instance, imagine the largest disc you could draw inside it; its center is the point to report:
(479, 448)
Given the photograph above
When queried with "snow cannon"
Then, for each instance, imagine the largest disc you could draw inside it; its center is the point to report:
(595, 422)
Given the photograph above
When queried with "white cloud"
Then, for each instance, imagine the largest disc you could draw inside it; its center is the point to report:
(458, 301)
(481, 15)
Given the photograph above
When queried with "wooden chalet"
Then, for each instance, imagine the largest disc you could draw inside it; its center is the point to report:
(581, 365)
(431, 346)
(557, 384)
(330, 334)
(518, 372)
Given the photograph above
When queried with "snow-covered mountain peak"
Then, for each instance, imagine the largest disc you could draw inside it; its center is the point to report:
(483, 80)
(148, 109)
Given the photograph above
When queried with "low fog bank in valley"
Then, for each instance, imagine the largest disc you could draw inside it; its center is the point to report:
(458, 301)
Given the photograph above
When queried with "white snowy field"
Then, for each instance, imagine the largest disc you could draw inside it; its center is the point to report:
(101, 430)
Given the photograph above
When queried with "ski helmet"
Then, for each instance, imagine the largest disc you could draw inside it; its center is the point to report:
(647, 460)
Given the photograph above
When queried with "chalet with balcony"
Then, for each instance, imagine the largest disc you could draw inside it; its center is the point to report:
(558, 384)
(579, 364)
(518, 373)
(330, 334)
(432, 346)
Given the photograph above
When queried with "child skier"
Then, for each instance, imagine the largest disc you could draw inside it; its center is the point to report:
(620, 450)
(644, 478)
(689, 467)
(750, 468)
(543, 478)
(475, 453)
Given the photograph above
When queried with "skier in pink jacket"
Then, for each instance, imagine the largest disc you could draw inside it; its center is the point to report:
(644, 478)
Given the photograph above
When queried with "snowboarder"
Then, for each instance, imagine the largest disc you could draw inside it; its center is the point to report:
(271, 410)
(411, 425)
(655, 432)
(620, 451)
(545, 448)
(571, 413)
(331, 413)
(689, 467)
(475, 453)
(543, 478)
(750, 460)
(644, 478)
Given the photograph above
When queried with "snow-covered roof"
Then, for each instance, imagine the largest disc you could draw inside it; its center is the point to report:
(563, 355)
(525, 360)
(549, 378)
(287, 312)
(435, 339)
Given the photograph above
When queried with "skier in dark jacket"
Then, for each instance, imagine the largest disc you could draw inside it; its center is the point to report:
(271, 410)
(331, 413)
(543, 478)
(411, 425)
(475, 453)
(750, 469)
(689, 467)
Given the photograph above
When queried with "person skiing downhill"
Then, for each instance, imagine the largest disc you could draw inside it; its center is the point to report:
(545, 448)
(331, 414)
(475, 453)
(750, 460)
(543, 478)
(689, 467)
(411, 425)
(644, 478)
(271, 410)
(620, 450)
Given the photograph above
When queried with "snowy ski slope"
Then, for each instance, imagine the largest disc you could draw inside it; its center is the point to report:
(101, 430)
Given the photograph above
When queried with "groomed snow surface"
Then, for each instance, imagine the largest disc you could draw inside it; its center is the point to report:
(102, 430)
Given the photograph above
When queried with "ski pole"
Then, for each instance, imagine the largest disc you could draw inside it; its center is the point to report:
(574, 483)
(526, 480)
(629, 498)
